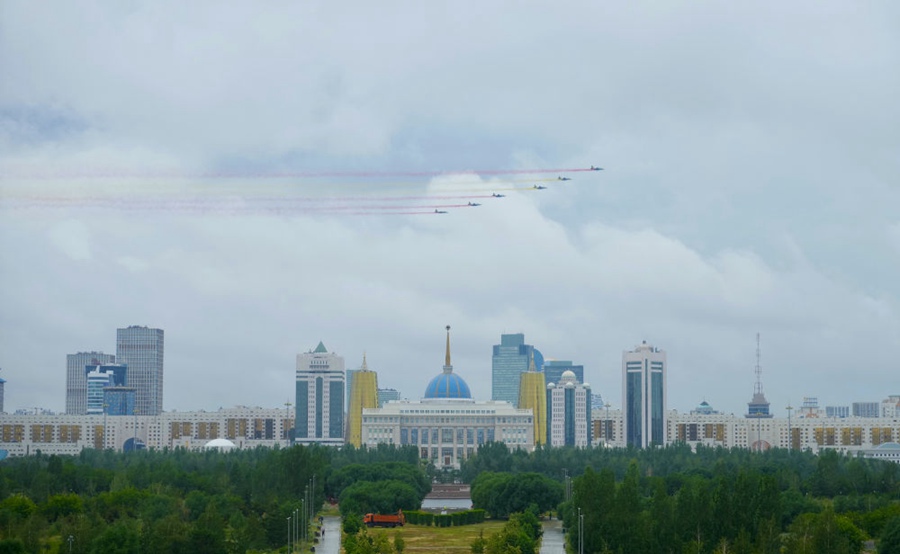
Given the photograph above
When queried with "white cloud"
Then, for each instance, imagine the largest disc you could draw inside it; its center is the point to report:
(71, 237)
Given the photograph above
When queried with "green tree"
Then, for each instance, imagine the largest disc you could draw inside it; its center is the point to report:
(890, 538)
(122, 537)
(399, 543)
(12, 546)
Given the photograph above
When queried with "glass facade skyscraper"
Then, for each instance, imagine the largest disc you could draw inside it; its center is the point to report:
(76, 378)
(644, 390)
(511, 358)
(119, 401)
(142, 349)
(553, 370)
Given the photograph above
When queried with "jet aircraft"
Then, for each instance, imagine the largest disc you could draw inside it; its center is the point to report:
(539, 187)
(596, 168)
(564, 178)
(440, 211)
(473, 204)
(495, 195)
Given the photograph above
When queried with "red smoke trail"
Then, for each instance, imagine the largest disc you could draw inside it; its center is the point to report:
(25, 173)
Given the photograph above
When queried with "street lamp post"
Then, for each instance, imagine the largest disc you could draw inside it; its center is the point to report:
(105, 413)
(580, 532)
(289, 532)
(608, 424)
(287, 420)
(134, 438)
(790, 434)
(71, 539)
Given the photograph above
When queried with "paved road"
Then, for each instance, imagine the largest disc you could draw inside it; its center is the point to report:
(553, 541)
(330, 541)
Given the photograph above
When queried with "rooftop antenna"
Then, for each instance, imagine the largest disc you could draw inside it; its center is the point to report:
(757, 388)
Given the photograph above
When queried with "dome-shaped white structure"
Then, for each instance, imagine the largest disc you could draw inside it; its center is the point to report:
(219, 444)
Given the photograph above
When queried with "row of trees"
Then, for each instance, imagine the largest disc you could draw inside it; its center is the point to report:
(712, 500)
(182, 501)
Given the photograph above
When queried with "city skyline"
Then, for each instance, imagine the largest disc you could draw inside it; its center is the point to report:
(232, 182)
(613, 395)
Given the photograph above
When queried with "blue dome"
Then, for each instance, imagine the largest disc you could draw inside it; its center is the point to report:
(447, 385)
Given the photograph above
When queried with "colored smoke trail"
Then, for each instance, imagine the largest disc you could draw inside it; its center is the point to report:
(268, 196)
(28, 173)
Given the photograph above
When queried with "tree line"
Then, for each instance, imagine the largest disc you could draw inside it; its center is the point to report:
(675, 500)
(180, 501)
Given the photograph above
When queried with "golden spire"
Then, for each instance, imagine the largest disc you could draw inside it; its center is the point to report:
(447, 358)
(364, 366)
(531, 363)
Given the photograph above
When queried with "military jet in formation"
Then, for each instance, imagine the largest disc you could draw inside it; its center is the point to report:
(440, 211)
(495, 195)
(473, 204)
(539, 187)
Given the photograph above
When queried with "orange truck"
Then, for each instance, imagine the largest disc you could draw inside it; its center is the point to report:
(384, 520)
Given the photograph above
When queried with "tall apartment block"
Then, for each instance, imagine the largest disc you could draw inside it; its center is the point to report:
(866, 409)
(319, 398)
(142, 349)
(511, 358)
(569, 412)
(644, 391)
(363, 394)
(76, 378)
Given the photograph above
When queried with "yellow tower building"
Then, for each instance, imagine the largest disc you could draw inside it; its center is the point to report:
(533, 395)
(363, 394)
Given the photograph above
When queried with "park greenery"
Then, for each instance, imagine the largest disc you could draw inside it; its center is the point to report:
(675, 500)
(670, 500)
(179, 501)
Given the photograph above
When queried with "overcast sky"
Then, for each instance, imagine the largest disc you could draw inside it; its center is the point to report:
(751, 183)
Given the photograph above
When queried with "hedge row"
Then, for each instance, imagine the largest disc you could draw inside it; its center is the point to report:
(467, 517)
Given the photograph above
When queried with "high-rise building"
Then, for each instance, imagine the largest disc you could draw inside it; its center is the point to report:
(553, 370)
(348, 384)
(387, 395)
(511, 358)
(837, 411)
(533, 396)
(568, 412)
(866, 409)
(142, 349)
(363, 394)
(890, 406)
(644, 390)
(119, 401)
(319, 398)
(76, 378)
(97, 381)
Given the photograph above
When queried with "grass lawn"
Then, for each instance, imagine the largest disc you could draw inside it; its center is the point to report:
(422, 539)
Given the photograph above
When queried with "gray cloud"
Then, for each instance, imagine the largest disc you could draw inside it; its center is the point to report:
(750, 157)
